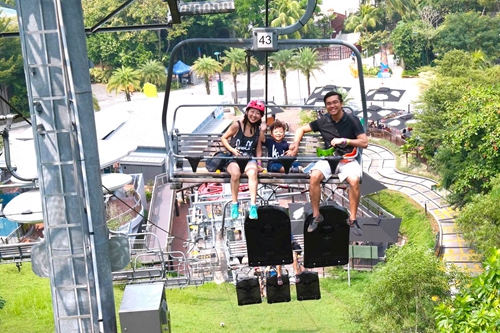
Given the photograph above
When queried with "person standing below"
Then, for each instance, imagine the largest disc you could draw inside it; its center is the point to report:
(277, 147)
(246, 140)
(345, 133)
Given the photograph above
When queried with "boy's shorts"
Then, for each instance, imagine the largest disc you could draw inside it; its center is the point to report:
(344, 169)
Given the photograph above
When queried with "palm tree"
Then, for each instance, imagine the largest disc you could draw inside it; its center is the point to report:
(284, 61)
(235, 58)
(153, 71)
(286, 12)
(364, 19)
(206, 67)
(307, 62)
(126, 79)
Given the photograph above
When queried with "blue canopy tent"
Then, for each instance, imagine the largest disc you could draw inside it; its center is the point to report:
(180, 69)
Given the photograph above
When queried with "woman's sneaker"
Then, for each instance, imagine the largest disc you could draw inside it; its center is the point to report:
(235, 211)
(315, 222)
(253, 212)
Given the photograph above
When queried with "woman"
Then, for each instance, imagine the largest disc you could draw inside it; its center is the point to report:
(246, 140)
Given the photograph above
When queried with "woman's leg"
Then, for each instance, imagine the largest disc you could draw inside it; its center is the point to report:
(251, 171)
(234, 170)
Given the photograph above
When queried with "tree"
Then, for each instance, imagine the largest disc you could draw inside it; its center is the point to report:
(411, 41)
(401, 291)
(235, 58)
(476, 306)
(307, 62)
(458, 125)
(12, 82)
(153, 71)
(363, 20)
(126, 79)
(469, 32)
(371, 41)
(479, 220)
(206, 67)
(284, 61)
(286, 13)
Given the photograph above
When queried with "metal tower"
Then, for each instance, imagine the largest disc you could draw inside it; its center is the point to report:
(57, 75)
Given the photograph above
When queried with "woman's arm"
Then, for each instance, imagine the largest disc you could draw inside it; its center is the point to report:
(231, 131)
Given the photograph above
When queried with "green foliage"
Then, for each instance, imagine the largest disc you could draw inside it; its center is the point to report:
(126, 79)
(401, 291)
(153, 71)
(95, 103)
(307, 116)
(408, 73)
(206, 67)
(285, 13)
(364, 20)
(12, 80)
(307, 62)
(458, 125)
(2, 302)
(476, 306)
(469, 32)
(371, 41)
(99, 75)
(411, 42)
(479, 220)
(284, 62)
(235, 58)
(370, 71)
(129, 48)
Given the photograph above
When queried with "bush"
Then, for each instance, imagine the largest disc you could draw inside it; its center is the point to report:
(410, 73)
(98, 75)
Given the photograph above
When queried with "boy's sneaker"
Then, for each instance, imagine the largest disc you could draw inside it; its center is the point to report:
(356, 229)
(295, 169)
(315, 222)
(253, 212)
(308, 168)
(235, 211)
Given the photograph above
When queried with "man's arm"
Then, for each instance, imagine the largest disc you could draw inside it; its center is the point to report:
(299, 133)
(360, 141)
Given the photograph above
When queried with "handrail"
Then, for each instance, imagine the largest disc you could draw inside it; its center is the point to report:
(247, 44)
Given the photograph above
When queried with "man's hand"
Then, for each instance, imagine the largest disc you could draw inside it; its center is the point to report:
(339, 142)
(293, 150)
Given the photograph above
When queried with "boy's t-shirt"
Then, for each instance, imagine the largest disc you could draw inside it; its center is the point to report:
(275, 149)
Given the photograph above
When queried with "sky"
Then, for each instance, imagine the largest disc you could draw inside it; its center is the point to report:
(340, 6)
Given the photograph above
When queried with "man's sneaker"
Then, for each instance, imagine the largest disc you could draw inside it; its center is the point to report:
(315, 222)
(280, 281)
(235, 212)
(356, 229)
(308, 168)
(253, 212)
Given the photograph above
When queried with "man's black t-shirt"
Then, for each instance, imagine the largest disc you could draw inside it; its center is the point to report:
(348, 127)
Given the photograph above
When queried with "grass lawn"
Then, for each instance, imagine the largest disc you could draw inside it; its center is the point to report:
(201, 309)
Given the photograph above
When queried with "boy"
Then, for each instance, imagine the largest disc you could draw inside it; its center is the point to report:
(276, 147)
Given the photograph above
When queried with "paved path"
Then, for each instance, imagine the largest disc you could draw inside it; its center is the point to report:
(380, 163)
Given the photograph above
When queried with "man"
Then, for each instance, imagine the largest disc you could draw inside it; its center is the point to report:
(345, 133)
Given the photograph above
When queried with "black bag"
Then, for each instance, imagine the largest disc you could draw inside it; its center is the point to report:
(215, 162)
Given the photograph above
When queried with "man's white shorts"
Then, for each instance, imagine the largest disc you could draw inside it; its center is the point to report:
(344, 169)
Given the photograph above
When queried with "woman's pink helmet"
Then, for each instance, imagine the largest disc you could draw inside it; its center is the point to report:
(255, 104)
